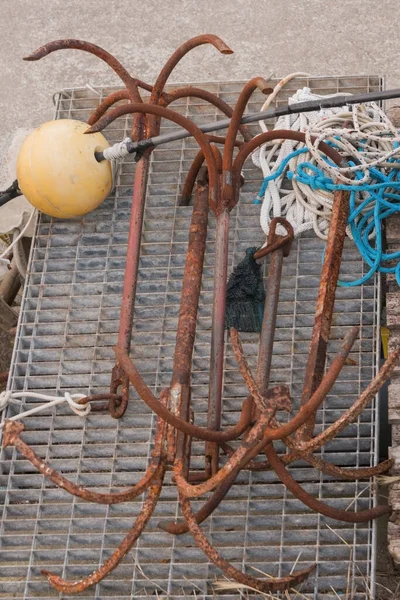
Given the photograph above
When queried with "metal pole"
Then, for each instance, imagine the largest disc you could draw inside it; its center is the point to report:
(299, 107)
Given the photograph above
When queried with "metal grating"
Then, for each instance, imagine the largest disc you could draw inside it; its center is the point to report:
(68, 323)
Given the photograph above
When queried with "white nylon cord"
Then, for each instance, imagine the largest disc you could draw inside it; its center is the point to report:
(9, 397)
(17, 238)
(304, 207)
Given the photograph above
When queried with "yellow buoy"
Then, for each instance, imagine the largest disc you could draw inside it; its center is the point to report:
(57, 170)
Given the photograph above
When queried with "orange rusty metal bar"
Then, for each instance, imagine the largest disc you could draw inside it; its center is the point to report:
(194, 92)
(352, 413)
(11, 437)
(278, 393)
(234, 125)
(277, 134)
(271, 584)
(129, 81)
(221, 273)
(318, 463)
(191, 287)
(278, 247)
(305, 449)
(172, 62)
(166, 113)
(248, 449)
(324, 308)
(74, 587)
(107, 103)
(118, 378)
(195, 168)
(362, 516)
(133, 254)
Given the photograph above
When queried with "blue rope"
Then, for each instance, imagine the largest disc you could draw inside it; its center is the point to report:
(365, 218)
(277, 174)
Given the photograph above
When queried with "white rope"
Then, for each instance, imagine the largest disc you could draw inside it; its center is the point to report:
(115, 154)
(17, 238)
(306, 208)
(117, 151)
(9, 397)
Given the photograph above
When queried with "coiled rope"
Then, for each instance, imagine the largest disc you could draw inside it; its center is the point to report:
(299, 181)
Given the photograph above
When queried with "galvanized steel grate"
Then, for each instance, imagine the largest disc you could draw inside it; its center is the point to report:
(69, 321)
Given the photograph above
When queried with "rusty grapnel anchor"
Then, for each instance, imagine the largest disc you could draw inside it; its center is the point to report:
(216, 188)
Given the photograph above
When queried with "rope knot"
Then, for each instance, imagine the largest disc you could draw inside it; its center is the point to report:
(79, 409)
(318, 182)
(118, 151)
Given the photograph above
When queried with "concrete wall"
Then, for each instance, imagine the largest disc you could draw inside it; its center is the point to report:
(323, 37)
